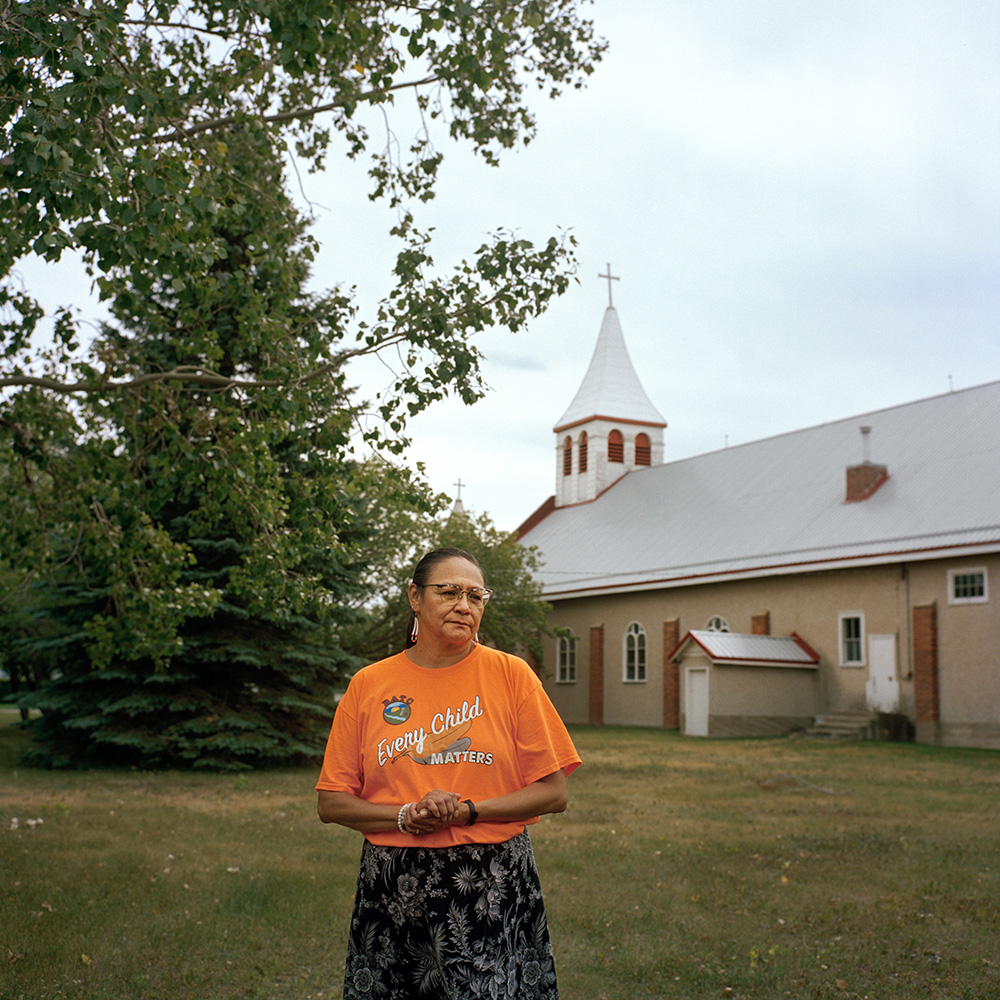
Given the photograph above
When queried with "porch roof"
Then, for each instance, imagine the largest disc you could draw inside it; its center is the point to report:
(742, 649)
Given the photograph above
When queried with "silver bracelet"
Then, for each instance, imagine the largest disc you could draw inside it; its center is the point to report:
(401, 817)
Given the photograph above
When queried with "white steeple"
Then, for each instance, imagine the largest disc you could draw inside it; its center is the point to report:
(611, 387)
(458, 507)
(611, 426)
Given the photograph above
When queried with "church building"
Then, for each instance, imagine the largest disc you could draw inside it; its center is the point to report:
(838, 574)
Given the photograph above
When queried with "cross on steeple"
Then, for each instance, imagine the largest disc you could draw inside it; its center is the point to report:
(460, 484)
(610, 277)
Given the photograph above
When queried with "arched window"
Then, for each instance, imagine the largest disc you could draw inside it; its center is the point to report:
(616, 447)
(642, 449)
(581, 462)
(717, 624)
(568, 457)
(634, 653)
(566, 668)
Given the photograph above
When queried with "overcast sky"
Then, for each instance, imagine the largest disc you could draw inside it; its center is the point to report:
(802, 202)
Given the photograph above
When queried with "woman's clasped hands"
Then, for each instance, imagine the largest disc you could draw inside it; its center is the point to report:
(436, 810)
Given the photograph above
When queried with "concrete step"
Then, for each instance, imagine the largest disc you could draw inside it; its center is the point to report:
(845, 726)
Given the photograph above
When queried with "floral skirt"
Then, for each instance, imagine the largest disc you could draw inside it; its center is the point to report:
(450, 923)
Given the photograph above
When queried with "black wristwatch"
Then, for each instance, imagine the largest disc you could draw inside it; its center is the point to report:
(473, 813)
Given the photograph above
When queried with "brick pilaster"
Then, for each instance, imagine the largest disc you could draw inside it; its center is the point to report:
(761, 624)
(597, 675)
(671, 675)
(926, 694)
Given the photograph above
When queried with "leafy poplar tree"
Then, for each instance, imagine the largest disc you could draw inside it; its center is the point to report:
(191, 538)
(115, 111)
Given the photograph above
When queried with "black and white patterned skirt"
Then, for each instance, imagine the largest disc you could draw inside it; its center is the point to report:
(450, 923)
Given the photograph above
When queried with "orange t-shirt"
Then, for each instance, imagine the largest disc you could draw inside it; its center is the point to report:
(481, 727)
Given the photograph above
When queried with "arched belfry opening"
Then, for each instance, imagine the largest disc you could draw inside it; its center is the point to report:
(611, 424)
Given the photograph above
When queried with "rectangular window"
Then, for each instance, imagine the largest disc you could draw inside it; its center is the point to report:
(967, 586)
(566, 668)
(852, 639)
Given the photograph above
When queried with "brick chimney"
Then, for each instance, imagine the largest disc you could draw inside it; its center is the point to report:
(864, 479)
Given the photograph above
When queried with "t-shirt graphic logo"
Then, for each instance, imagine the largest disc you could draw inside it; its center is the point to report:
(397, 710)
(447, 742)
(451, 741)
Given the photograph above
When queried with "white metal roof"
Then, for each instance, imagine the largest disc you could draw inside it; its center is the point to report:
(777, 506)
(611, 387)
(744, 649)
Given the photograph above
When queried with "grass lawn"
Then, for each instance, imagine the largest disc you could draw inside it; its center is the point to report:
(684, 869)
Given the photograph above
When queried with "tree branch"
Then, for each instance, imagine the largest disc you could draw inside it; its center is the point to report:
(191, 375)
(183, 27)
(187, 132)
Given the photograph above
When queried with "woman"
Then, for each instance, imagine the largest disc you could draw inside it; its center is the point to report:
(440, 756)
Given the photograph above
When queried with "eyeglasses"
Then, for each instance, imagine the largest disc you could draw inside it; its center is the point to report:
(452, 593)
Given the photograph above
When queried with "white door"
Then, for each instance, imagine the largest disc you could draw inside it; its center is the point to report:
(696, 701)
(883, 684)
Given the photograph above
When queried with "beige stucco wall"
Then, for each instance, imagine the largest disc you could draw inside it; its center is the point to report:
(571, 700)
(809, 604)
(968, 653)
(779, 691)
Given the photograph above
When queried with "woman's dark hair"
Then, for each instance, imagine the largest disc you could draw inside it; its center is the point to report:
(425, 567)
(422, 574)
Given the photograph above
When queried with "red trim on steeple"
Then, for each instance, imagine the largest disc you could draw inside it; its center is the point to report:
(610, 420)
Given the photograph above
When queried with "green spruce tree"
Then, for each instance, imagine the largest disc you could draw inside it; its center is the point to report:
(174, 635)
